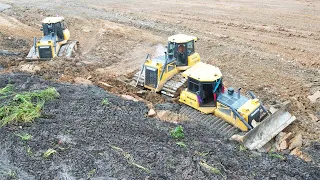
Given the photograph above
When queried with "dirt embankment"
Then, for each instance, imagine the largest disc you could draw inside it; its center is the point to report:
(115, 140)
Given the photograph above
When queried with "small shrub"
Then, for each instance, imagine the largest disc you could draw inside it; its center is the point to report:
(242, 147)
(24, 107)
(91, 173)
(177, 133)
(11, 174)
(29, 151)
(278, 156)
(105, 102)
(25, 137)
(181, 144)
(49, 152)
(209, 167)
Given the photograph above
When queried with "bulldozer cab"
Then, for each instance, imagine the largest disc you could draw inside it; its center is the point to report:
(204, 81)
(206, 91)
(180, 47)
(54, 26)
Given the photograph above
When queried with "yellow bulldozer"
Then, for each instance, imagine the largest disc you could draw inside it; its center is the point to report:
(228, 109)
(55, 41)
(163, 73)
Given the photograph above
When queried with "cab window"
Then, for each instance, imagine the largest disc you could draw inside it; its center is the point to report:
(193, 85)
(190, 47)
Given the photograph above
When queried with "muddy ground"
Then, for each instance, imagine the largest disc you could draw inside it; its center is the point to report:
(269, 47)
(87, 136)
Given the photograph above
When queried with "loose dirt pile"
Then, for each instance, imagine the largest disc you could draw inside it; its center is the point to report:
(98, 135)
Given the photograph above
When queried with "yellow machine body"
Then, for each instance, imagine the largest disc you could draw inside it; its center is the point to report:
(169, 71)
(203, 80)
(55, 35)
(180, 56)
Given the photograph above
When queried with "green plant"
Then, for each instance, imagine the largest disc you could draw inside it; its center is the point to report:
(92, 172)
(181, 144)
(211, 169)
(49, 152)
(26, 106)
(11, 174)
(177, 133)
(105, 101)
(242, 148)
(29, 151)
(25, 137)
(130, 159)
(202, 153)
(7, 90)
(276, 155)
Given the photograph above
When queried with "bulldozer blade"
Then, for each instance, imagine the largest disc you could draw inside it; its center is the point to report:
(33, 54)
(268, 128)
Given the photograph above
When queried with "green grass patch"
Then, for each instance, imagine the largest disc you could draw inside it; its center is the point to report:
(25, 137)
(29, 151)
(23, 107)
(177, 133)
(181, 144)
(129, 158)
(278, 156)
(91, 173)
(105, 102)
(242, 148)
(210, 168)
(49, 153)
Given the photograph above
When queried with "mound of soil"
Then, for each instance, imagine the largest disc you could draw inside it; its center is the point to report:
(115, 140)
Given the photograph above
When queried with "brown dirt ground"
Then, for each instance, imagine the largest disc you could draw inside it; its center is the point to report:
(270, 47)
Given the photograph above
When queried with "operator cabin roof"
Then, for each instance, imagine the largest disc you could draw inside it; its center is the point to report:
(203, 72)
(48, 20)
(181, 38)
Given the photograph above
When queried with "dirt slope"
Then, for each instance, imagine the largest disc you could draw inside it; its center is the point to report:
(88, 135)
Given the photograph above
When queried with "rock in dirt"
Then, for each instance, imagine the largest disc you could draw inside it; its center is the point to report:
(282, 140)
(300, 106)
(170, 116)
(237, 138)
(30, 68)
(141, 92)
(297, 152)
(313, 98)
(152, 113)
(296, 142)
(313, 118)
(104, 85)
(80, 80)
(128, 97)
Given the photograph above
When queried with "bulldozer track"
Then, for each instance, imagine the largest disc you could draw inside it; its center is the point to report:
(217, 124)
(171, 88)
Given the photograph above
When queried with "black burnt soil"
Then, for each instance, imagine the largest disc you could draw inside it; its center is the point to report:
(115, 140)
